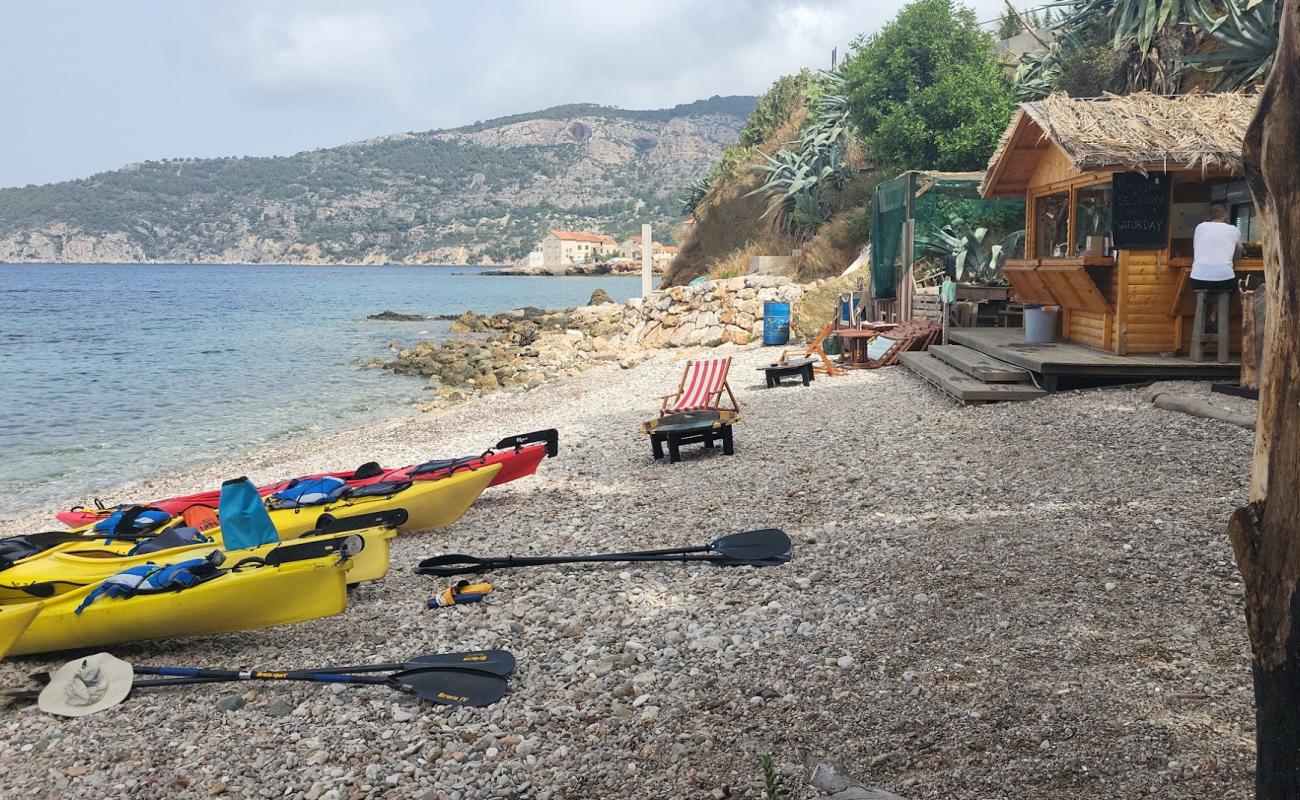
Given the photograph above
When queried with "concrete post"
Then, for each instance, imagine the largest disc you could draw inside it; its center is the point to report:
(647, 257)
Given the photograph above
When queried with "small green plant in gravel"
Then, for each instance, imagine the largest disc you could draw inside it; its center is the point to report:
(772, 788)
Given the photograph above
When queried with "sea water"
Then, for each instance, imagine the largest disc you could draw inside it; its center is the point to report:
(112, 372)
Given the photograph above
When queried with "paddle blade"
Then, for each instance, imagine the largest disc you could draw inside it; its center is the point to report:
(753, 545)
(452, 687)
(496, 662)
(445, 566)
(550, 436)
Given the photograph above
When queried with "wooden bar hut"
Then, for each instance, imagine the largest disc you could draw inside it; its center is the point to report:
(1114, 188)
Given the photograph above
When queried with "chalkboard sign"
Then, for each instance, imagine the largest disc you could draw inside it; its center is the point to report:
(1140, 210)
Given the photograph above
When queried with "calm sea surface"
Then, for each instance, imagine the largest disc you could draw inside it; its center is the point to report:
(111, 372)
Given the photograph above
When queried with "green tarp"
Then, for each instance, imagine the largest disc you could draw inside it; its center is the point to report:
(887, 215)
(937, 200)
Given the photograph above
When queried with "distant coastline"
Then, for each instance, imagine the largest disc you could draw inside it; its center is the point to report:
(248, 264)
(596, 270)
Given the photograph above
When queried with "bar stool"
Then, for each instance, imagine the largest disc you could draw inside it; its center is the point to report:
(1199, 335)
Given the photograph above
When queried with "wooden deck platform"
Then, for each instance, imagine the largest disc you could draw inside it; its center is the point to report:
(965, 388)
(1064, 360)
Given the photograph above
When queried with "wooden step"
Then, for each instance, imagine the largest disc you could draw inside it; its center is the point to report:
(978, 365)
(963, 387)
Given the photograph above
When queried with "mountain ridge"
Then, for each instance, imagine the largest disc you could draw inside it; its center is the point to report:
(478, 193)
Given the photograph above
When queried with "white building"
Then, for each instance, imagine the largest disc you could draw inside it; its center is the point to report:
(561, 248)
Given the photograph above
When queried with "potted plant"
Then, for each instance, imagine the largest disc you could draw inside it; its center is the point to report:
(1094, 219)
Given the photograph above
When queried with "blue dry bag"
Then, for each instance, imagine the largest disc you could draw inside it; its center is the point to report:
(244, 521)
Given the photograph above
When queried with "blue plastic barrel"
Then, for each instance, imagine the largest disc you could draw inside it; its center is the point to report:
(776, 323)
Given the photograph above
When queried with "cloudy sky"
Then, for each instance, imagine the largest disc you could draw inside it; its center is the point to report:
(91, 85)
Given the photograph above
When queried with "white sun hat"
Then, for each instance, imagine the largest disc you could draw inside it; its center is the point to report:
(86, 686)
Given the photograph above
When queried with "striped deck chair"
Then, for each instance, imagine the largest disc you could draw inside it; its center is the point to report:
(703, 384)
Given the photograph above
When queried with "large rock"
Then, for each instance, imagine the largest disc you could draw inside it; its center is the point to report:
(839, 785)
(598, 297)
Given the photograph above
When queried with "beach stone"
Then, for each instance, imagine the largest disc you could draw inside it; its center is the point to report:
(279, 708)
(231, 702)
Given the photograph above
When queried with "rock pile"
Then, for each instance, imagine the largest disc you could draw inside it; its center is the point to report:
(708, 313)
(396, 316)
(520, 349)
(514, 351)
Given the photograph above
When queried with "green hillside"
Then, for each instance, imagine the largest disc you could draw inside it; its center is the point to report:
(483, 192)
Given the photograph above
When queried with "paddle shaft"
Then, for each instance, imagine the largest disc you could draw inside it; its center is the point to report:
(485, 565)
(261, 675)
(632, 556)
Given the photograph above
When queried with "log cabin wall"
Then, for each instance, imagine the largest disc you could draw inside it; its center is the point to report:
(1053, 167)
(1094, 328)
(1144, 324)
(1085, 327)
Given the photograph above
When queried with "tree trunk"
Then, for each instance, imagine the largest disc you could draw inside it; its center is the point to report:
(1265, 535)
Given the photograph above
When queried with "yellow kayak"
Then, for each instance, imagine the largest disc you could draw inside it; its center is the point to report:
(428, 504)
(57, 572)
(261, 593)
(13, 621)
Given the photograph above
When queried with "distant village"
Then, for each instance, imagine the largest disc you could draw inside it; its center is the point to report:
(578, 251)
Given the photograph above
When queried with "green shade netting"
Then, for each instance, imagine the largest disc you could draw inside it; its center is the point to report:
(888, 210)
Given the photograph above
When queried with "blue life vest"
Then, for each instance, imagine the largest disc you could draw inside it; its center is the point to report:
(309, 492)
(144, 520)
(154, 578)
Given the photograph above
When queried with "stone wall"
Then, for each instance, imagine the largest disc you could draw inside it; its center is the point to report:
(706, 314)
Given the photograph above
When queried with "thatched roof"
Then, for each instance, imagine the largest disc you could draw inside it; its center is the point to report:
(1139, 132)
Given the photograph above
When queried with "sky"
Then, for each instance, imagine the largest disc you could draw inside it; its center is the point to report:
(91, 85)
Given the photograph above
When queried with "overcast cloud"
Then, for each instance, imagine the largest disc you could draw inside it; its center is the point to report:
(92, 85)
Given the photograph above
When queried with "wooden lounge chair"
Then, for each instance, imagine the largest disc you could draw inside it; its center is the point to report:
(885, 348)
(814, 349)
(703, 384)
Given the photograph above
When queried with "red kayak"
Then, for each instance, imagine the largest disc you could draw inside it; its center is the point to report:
(525, 452)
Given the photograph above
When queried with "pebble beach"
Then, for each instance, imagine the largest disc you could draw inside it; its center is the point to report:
(1030, 600)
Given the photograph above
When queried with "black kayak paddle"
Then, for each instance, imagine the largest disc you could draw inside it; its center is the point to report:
(758, 548)
(495, 662)
(440, 685)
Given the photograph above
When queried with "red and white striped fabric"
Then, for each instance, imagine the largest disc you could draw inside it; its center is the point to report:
(704, 382)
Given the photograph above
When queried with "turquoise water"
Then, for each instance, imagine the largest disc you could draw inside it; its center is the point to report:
(112, 372)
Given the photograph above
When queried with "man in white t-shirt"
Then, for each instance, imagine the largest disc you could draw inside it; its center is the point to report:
(1215, 245)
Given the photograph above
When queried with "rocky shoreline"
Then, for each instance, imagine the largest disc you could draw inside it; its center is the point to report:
(521, 349)
(628, 269)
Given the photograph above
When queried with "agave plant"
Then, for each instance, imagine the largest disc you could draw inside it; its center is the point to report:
(1246, 38)
(1037, 74)
(694, 194)
(975, 262)
(797, 177)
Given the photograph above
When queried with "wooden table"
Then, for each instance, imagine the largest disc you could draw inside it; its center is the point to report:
(691, 427)
(856, 342)
(803, 367)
